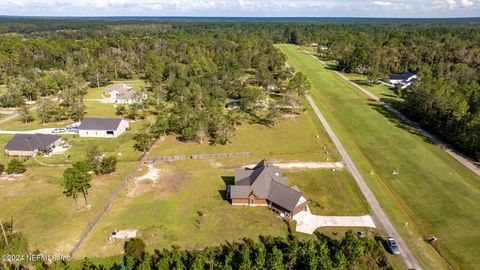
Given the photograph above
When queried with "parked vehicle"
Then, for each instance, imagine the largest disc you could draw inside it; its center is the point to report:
(392, 245)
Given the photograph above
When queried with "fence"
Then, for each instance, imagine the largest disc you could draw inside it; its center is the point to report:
(221, 155)
(165, 158)
(130, 175)
(105, 207)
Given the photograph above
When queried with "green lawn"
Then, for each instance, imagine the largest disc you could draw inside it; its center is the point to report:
(337, 189)
(292, 139)
(93, 109)
(95, 93)
(36, 202)
(432, 194)
(44, 215)
(167, 212)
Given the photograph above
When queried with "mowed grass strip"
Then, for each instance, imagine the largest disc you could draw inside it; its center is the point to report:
(424, 191)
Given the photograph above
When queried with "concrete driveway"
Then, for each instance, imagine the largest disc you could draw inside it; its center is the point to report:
(308, 223)
(39, 131)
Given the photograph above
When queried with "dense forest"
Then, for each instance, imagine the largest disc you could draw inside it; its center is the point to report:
(195, 67)
(192, 73)
(273, 253)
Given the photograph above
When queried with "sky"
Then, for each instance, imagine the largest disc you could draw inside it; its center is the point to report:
(245, 8)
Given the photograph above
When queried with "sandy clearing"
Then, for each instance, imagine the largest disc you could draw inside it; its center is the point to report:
(305, 165)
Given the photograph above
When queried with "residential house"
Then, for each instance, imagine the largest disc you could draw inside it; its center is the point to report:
(403, 80)
(123, 94)
(264, 185)
(32, 144)
(102, 127)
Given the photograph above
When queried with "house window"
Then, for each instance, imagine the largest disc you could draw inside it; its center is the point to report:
(110, 132)
(252, 200)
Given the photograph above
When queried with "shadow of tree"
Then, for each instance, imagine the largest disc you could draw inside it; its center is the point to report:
(397, 121)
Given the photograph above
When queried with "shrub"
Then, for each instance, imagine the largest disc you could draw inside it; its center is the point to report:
(15, 166)
(135, 248)
(2, 168)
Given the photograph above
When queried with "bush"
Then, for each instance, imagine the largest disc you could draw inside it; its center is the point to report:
(15, 166)
(135, 248)
(108, 165)
(2, 168)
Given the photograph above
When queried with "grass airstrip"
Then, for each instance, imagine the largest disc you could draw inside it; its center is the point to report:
(423, 190)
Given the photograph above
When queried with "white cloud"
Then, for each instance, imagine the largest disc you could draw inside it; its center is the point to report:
(381, 3)
(467, 3)
(318, 8)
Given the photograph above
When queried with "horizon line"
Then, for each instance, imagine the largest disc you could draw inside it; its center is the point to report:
(228, 17)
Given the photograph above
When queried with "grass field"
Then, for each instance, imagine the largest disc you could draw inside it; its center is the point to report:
(44, 215)
(167, 212)
(293, 139)
(35, 200)
(186, 207)
(432, 194)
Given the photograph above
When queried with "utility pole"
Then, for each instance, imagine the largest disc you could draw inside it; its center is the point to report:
(3, 230)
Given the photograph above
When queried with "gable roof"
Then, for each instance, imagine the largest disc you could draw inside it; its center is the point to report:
(100, 124)
(265, 181)
(31, 142)
(401, 77)
(284, 196)
(119, 87)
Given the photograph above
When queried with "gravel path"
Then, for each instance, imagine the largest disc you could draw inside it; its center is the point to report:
(378, 215)
(305, 165)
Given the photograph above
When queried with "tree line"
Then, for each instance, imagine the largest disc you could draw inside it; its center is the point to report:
(445, 99)
(273, 253)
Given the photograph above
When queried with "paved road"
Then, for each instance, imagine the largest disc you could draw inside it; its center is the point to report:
(467, 163)
(308, 223)
(381, 220)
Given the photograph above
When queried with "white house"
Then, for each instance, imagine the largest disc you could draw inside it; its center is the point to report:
(123, 94)
(404, 80)
(102, 127)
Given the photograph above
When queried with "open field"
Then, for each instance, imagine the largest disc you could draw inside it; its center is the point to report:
(186, 207)
(422, 198)
(293, 139)
(44, 215)
(51, 224)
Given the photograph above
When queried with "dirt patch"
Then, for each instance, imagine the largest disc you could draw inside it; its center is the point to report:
(161, 181)
(171, 182)
(11, 177)
(304, 165)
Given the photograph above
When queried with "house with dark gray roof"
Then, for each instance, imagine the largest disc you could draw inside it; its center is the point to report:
(102, 127)
(31, 144)
(264, 185)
